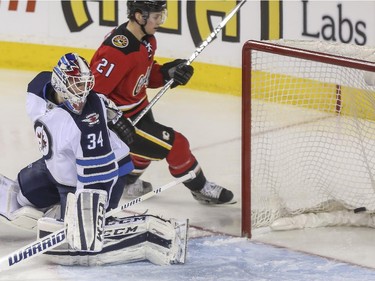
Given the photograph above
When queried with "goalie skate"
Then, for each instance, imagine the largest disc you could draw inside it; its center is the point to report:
(212, 193)
(137, 189)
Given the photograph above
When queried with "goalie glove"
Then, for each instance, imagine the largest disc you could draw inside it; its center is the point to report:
(113, 113)
(124, 129)
(178, 70)
(84, 219)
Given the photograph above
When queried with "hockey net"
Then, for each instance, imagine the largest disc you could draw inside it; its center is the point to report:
(308, 134)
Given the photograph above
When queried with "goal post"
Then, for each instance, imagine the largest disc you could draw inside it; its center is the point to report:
(308, 134)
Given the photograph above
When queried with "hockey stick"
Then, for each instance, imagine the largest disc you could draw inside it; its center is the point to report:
(56, 238)
(195, 54)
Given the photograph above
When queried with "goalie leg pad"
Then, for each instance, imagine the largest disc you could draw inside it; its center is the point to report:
(8, 196)
(11, 212)
(175, 232)
(147, 237)
(84, 219)
(127, 240)
(24, 218)
(47, 225)
(179, 246)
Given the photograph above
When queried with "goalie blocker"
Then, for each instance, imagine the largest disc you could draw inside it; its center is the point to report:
(129, 239)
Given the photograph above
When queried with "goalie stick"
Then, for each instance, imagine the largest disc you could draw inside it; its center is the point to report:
(195, 54)
(56, 238)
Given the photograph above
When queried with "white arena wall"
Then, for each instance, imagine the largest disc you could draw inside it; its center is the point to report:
(35, 33)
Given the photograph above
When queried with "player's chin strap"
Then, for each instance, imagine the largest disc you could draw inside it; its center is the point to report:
(195, 54)
(57, 238)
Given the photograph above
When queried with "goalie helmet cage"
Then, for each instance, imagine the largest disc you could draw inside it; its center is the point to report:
(308, 129)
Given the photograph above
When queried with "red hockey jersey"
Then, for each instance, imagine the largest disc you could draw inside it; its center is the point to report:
(124, 67)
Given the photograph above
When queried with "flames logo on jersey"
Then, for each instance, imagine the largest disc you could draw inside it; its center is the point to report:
(92, 119)
(44, 139)
(120, 41)
(142, 82)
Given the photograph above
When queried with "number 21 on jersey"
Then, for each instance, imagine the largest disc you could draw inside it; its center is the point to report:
(103, 66)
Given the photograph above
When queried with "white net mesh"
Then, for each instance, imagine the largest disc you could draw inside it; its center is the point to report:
(312, 133)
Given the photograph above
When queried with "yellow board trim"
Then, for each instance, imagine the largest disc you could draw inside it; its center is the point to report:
(38, 57)
(313, 94)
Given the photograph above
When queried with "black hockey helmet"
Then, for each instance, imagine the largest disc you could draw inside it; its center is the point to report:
(145, 7)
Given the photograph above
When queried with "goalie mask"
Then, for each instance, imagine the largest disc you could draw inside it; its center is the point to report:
(147, 7)
(72, 80)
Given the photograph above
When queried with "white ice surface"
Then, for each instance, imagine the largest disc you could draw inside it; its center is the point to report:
(211, 122)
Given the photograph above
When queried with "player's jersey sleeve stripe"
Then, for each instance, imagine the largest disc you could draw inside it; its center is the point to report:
(99, 169)
(96, 161)
(98, 177)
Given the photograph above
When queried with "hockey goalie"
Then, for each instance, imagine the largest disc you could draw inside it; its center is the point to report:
(81, 176)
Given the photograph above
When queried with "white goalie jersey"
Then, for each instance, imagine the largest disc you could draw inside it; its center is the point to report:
(79, 150)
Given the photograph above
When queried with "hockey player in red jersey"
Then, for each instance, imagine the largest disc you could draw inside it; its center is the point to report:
(124, 68)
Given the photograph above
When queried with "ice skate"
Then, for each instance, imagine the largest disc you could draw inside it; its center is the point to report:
(137, 188)
(212, 193)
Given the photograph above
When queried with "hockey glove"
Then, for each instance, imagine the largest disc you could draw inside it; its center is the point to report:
(123, 129)
(178, 70)
(113, 113)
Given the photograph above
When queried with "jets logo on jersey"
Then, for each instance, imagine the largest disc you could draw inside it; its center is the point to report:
(120, 41)
(92, 119)
(44, 139)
